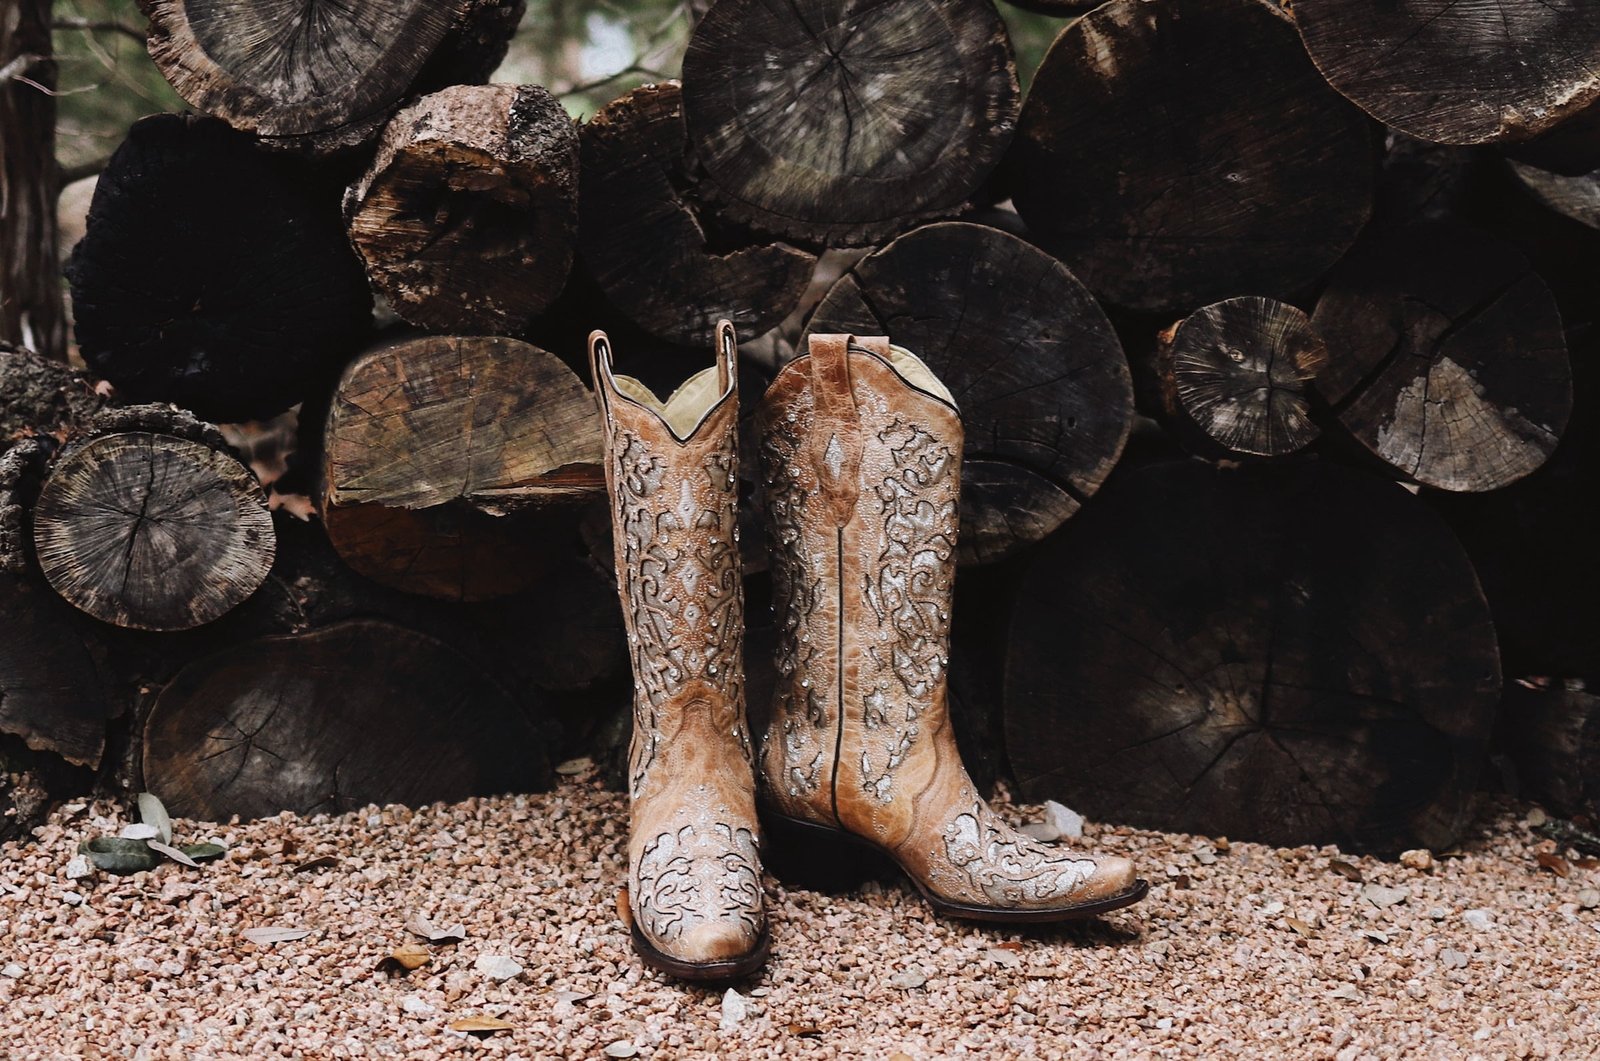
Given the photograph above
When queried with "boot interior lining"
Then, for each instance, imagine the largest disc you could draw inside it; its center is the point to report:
(911, 369)
(687, 407)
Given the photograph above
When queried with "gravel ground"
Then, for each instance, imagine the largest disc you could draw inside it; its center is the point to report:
(1240, 950)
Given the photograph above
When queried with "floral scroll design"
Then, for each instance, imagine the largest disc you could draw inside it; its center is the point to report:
(909, 594)
(699, 873)
(1006, 867)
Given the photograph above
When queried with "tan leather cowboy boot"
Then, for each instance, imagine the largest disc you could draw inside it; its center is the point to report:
(861, 454)
(694, 879)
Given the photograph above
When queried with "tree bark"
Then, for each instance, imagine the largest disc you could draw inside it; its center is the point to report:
(1449, 362)
(31, 310)
(1459, 73)
(1288, 654)
(659, 256)
(454, 466)
(1184, 152)
(1043, 386)
(836, 123)
(326, 722)
(321, 77)
(467, 216)
(151, 529)
(1235, 377)
(213, 275)
(40, 396)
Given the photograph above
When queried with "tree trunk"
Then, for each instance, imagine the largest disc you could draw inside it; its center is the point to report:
(1033, 364)
(321, 77)
(326, 722)
(467, 217)
(1296, 654)
(659, 257)
(1459, 73)
(1183, 152)
(454, 466)
(1553, 738)
(213, 275)
(31, 312)
(154, 525)
(838, 123)
(1235, 377)
(40, 396)
(1449, 362)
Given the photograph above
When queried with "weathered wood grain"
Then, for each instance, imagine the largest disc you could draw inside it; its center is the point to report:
(1290, 654)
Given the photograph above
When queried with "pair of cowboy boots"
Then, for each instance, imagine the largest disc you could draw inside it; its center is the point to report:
(861, 453)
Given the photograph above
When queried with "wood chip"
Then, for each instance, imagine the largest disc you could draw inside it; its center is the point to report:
(320, 862)
(1345, 870)
(481, 1025)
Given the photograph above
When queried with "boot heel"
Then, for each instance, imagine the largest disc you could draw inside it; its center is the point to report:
(819, 858)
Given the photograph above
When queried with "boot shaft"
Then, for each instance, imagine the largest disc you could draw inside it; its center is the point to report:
(861, 451)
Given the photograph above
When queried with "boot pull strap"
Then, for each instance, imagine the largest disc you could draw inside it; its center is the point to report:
(836, 428)
(727, 351)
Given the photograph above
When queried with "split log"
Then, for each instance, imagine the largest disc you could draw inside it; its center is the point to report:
(443, 458)
(52, 691)
(838, 123)
(1552, 736)
(1459, 73)
(31, 310)
(39, 395)
(467, 216)
(1034, 365)
(1288, 654)
(361, 712)
(320, 77)
(1449, 362)
(1235, 376)
(662, 260)
(1182, 152)
(213, 275)
(152, 530)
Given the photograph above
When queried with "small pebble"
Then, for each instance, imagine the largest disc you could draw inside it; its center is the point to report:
(734, 1010)
(1479, 920)
(78, 867)
(1589, 898)
(909, 978)
(1419, 858)
(622, 1048)
(497, 966)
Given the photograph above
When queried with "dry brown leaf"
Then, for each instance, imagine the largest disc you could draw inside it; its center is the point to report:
(1345, 870)
(805, 1031)
(1222, 845)
(436, 933)
(1587, 863)
(1181, 881)
(265, 934)
(1010, 944)
(320, 862)
(1301, 927)
(1554, 863)
(481, 1025)
(404, 958)
(172, 853)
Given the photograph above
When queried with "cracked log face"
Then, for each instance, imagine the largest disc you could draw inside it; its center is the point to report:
(1178, 153)
(1448, 358)
(1038, 374)
(360, 712)
(310, 73)
(452, 466)
(152, 532)
(214, 276)
(1283, 654)
(1236, 375)
(646, 242)
(1459, 71)
(467, 216)
(842, 122)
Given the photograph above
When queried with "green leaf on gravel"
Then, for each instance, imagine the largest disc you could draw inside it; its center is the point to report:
(116, 854)
(203, 852)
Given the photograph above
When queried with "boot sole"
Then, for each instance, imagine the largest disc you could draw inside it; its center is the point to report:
(701, 972)
(815, 841)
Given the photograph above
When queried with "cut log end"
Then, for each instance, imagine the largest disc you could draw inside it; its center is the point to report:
(152, 532)
(839, 123)
(1552, 736)
(1449, 361)
(360, 712)
(432, 446)
(667, 263)
(1182, 152)
(1457, 73)
(467, 216)
(1237, 373)
(1291, 654)
(1040, 378)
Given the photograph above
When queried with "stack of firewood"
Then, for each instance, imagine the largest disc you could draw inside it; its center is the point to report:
(1271, 333)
